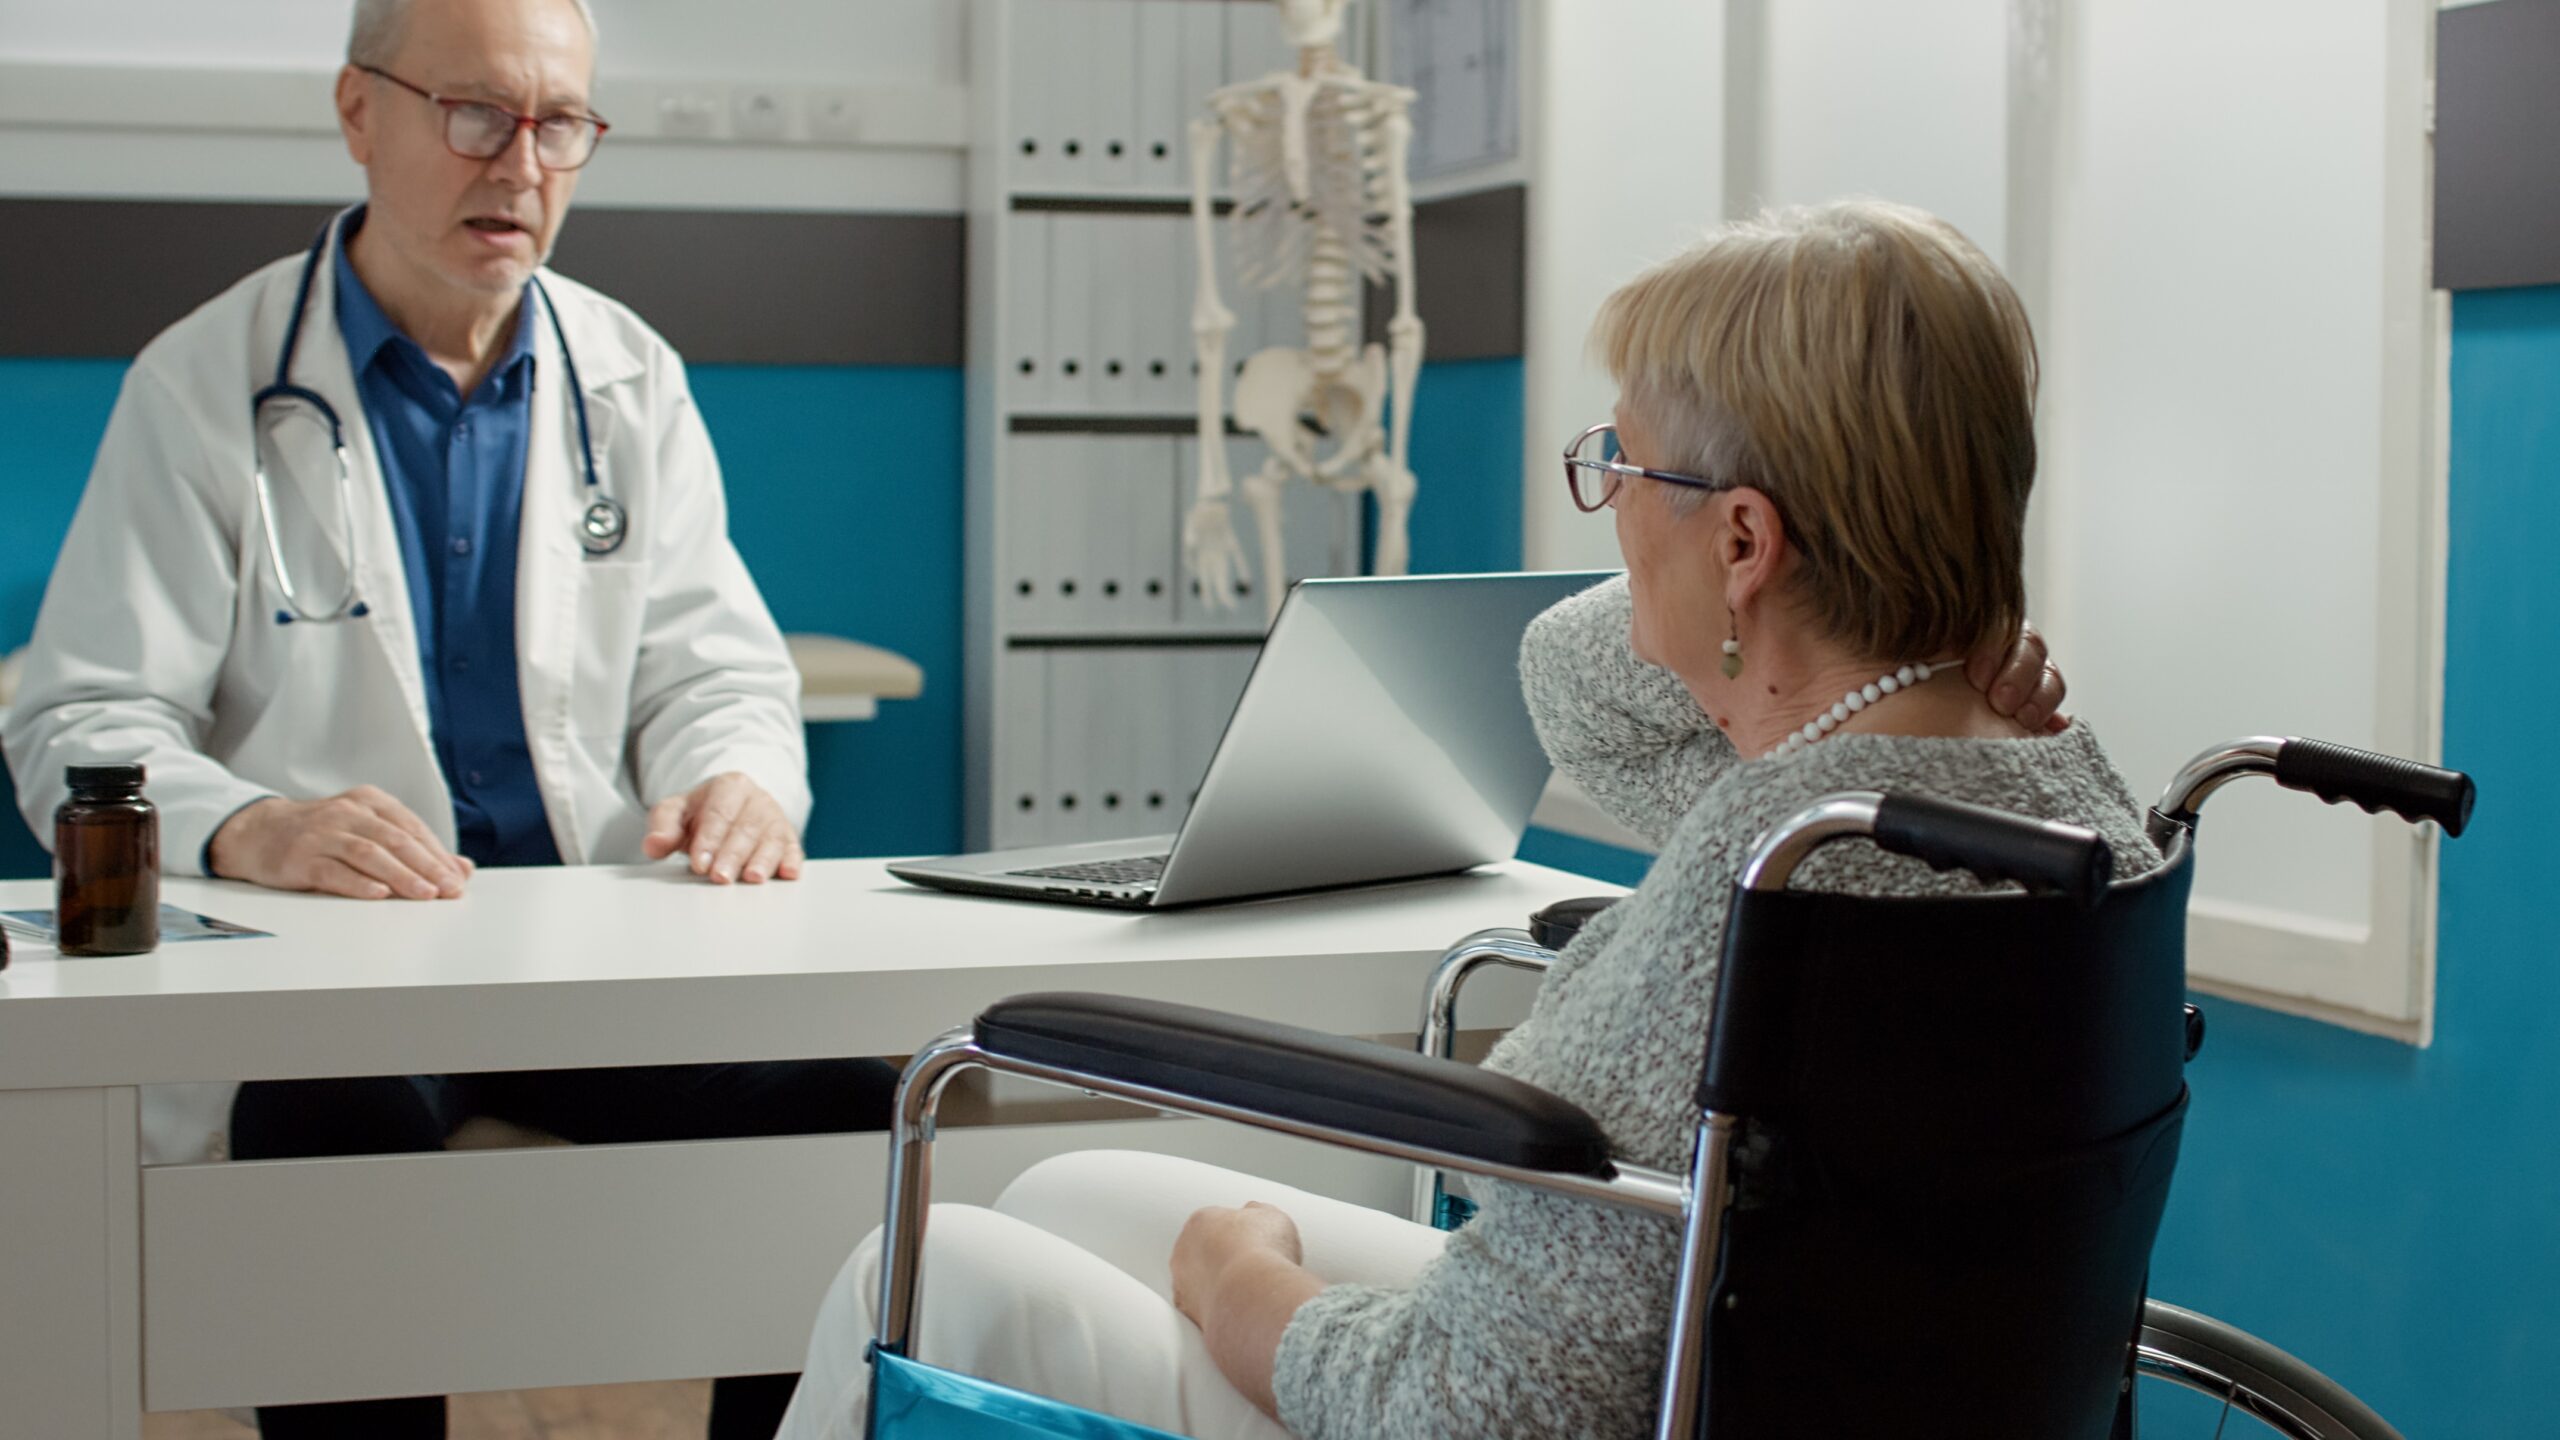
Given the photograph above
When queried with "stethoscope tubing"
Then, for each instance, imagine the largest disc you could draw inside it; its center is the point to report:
(602, 522)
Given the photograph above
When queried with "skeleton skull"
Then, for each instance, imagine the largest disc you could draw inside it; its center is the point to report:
(1311, 23)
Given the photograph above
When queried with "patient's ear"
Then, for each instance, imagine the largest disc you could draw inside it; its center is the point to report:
(1751, 543)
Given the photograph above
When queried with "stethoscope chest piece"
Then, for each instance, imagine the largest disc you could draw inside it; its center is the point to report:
(602, 528)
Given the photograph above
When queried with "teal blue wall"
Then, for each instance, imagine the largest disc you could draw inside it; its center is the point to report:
(844, 496)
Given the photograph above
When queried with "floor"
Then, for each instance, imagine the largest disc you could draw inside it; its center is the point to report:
(675, 1410)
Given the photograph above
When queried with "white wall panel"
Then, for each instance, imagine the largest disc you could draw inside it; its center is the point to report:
(1902, 102)
(2238, 459)
(250, 53)
(1627, 155)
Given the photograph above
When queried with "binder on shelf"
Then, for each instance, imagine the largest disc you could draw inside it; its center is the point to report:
(1164, 294)
(1151, 521)
(1019, 782)
(1070, 752)
(1025, 382)
(1113, 789)
(1110, 84)
(1023, 493)
(1035, 30)
(1110, 531)
(1069, 70)
(1075, 537)
(1118, 280)
(1161, 109)
(1071, 317)
(1152, 696)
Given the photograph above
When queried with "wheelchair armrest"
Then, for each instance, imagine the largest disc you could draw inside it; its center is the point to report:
(1302, 1076)
(1554, 927)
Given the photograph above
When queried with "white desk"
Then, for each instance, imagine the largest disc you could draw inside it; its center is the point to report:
(194, 1286)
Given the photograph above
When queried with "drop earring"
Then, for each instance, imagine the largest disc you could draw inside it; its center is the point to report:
(1733, 655)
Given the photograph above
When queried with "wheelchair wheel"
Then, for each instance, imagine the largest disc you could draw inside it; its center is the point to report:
(2238, 1374)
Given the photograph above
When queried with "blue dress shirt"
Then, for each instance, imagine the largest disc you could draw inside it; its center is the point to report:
(454, 470)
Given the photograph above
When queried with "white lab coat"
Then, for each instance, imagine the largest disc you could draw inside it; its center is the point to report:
(643, 673)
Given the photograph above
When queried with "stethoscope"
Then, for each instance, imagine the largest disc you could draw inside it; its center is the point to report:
(602, 525)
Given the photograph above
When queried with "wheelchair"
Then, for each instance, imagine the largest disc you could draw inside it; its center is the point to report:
(1934, 1141)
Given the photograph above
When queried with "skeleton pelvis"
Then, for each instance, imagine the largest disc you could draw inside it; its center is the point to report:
(1321, 426)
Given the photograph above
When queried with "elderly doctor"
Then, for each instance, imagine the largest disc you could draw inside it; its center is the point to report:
(512, 631)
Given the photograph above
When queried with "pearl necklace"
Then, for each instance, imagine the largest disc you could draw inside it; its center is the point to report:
(1850, 704)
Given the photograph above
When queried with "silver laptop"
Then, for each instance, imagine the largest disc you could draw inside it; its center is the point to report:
(1381, 736)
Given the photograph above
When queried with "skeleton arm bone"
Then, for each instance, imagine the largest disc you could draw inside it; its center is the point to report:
(1209, 543)
(1395, 481)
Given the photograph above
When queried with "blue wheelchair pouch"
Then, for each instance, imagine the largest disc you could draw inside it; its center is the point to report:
(912, 1401)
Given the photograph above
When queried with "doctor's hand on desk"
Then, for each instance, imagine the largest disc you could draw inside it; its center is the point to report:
(363, 844)
(729, 830)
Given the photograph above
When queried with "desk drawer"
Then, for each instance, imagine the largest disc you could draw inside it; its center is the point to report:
(294, 1280)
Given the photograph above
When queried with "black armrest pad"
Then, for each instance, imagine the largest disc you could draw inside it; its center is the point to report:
(1300, 1075)
(1554, 927)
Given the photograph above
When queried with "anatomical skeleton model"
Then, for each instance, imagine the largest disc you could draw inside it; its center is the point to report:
(1323, 201)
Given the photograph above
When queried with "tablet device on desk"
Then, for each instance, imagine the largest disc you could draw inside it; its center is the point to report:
(1381, 736)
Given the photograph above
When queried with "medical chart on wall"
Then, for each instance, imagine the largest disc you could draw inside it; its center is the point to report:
(1463, 58)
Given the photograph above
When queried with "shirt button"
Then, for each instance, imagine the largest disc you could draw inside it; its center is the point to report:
(461, 664)
(462, 431)
(473, 777)
(461, 544)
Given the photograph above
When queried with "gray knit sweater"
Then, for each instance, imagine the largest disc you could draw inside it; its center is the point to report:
(1547, 1317)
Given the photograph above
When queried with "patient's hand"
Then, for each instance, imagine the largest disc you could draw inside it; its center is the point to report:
(2021, 681)
(1238, 1275)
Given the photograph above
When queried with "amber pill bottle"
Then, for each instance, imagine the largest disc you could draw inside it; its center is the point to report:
(106, 864)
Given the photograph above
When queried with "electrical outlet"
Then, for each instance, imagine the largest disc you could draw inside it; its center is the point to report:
(836, 116)
(759, 112)
(688, 115)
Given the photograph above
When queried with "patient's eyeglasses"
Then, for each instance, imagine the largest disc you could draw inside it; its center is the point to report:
(1593, 472)
(476, 130)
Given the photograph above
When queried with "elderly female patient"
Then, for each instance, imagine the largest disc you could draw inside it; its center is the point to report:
(1822, 452)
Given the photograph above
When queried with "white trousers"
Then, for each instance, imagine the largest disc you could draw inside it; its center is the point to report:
(1065, 1289)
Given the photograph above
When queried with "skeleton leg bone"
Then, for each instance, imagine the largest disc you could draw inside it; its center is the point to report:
(1263, 493)
(1209, 546)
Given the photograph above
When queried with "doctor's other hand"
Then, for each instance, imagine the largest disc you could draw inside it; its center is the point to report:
(364, 844)
(729, 830)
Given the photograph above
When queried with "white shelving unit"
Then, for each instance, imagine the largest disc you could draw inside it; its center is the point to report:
(1099, 678)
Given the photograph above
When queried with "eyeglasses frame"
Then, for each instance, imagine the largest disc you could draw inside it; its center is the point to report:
(1619, 470)
(449, 105)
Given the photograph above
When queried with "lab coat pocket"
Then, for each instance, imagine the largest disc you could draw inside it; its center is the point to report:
(613, 611)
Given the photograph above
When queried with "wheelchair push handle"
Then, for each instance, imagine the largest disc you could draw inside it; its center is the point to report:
(1995, 845)
(2316, 767)
(2377, 782)
(1948, 834)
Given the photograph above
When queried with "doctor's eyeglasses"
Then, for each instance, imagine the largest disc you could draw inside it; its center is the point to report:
(1593, 470)
(476, 130)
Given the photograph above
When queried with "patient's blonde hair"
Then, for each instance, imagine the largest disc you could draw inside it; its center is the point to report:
(1866, 367)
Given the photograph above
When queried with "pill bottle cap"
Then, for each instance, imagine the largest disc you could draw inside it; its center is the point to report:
(101, 780)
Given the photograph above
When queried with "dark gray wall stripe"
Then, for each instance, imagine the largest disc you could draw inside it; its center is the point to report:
(101, 277)
(2497, 217)
(1471, 256)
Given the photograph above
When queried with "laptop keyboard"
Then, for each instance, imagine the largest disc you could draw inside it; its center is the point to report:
(1136, 870)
